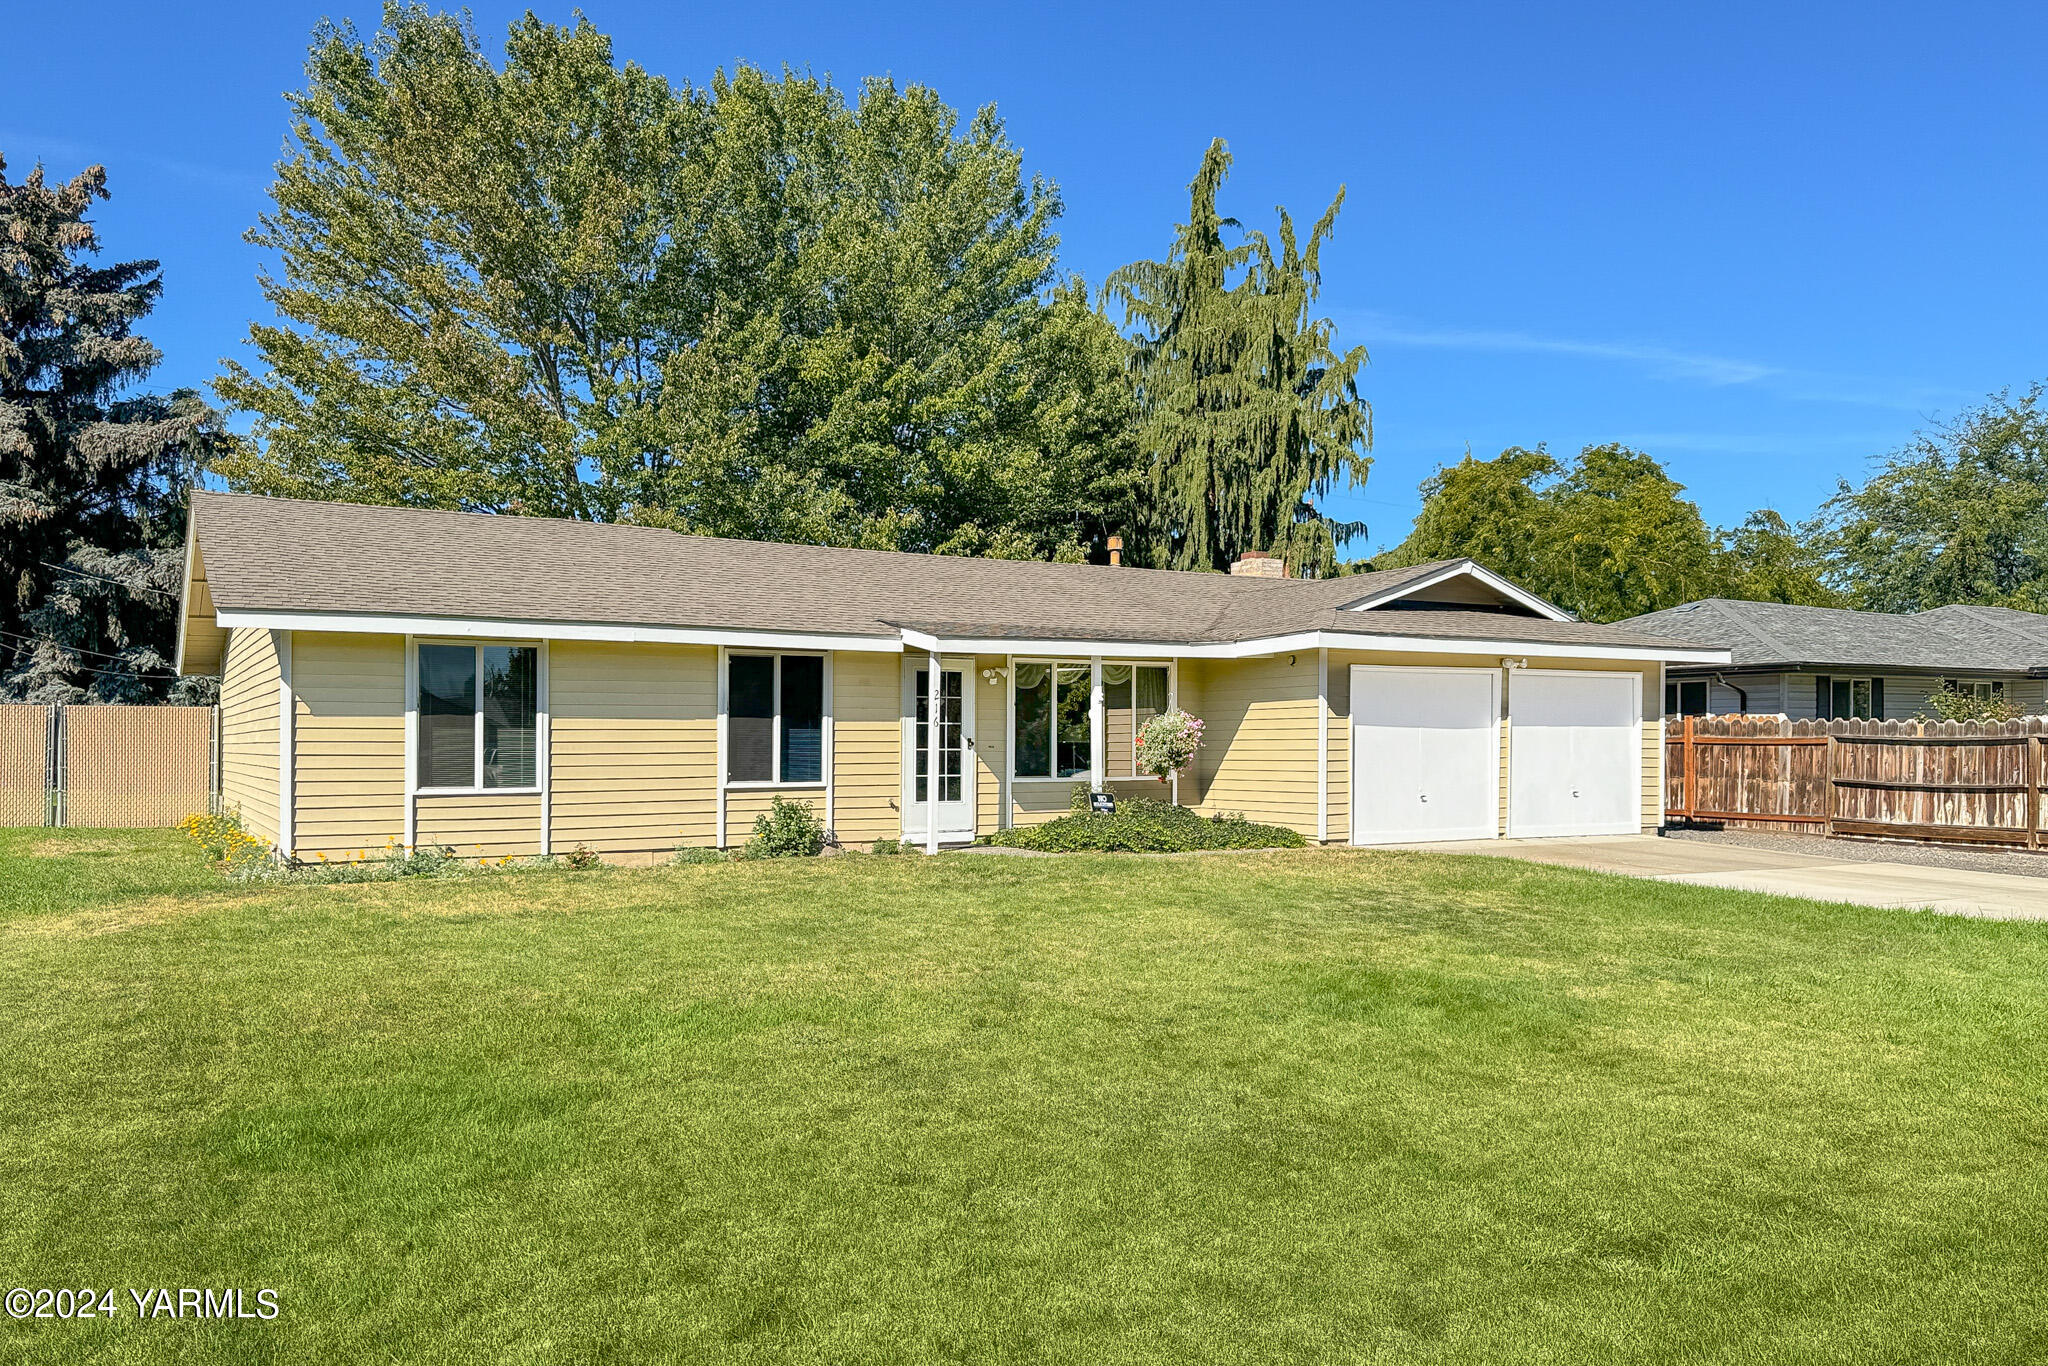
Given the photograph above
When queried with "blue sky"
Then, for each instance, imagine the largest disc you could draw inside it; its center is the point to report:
(1764, 243)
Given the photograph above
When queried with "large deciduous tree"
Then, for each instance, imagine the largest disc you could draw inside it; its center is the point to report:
(1607, 536)
(1960, 514)
(1247, 411)
(562, 285)
(93, 475)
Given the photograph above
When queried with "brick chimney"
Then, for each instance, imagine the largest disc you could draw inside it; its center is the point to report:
(1257, 564)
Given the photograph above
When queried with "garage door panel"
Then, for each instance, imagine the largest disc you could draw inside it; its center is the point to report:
(1574, 753)
(1425, 754)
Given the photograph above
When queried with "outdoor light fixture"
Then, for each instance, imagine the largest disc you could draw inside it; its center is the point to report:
(1514, 663)
(993, 676)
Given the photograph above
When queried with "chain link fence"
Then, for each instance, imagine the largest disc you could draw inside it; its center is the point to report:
(107, 765)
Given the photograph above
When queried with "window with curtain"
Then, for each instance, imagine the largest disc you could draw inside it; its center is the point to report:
(1132, 694)
(1052, 717)
(478, 716)
(775, 719)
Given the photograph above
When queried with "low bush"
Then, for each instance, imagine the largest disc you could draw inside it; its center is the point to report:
(233, 848)
(697, 853)
(1143, 826)
(786, 829)
(888, 847)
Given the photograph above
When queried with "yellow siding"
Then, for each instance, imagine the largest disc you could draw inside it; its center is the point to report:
(1035, 803)
(633, 746)
(867, 747)
(1259, 748)
(991, 742)
(483, 825)
(1340, 714)
(249, 730)
(349, 743)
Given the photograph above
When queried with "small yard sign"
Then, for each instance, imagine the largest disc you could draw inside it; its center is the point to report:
(1102, 803)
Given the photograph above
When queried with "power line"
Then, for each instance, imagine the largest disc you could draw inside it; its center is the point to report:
(108, 578)
(75, 649)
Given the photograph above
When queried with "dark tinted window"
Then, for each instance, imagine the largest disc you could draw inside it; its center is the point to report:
(803, 719)
(750, 719)
(447, 716)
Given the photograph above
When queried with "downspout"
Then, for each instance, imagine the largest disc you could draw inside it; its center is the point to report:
(1741, 695)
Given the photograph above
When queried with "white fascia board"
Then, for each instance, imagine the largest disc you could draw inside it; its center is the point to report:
(1306, 640)
(553, 630)
(1543, 649)
(1463, 568)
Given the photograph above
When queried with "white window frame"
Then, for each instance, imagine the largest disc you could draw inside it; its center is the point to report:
(1098, 761)
(540, 720)
(1984, 689)
(822, 783)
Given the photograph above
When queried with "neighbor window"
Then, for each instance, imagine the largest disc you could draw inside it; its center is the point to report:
(1052, 720)
(1983, 689)
(775, 719)
(1848, 699)
(1687, 697)
(479, 708)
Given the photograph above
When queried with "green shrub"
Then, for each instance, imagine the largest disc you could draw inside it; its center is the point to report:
(786, 829)
(581, 858)
(225, 840)
(1143, 826)
(697, 853)
(887, 847)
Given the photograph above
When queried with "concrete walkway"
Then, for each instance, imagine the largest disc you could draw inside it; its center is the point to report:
(1997, 896)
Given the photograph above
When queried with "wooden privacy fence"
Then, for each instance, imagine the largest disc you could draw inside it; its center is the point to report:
(107, 765)
(1973, 782)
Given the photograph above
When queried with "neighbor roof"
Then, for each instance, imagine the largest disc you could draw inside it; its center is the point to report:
(267, 555)
(1779, 635)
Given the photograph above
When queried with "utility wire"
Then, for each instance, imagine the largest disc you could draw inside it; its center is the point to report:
(74, 649)
(108, 578)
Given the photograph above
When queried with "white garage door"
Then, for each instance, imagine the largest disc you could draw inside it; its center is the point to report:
(1575, 753)
(1425, 754)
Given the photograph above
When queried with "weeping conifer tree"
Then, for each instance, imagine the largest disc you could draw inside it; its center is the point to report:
(93, 476)
(1248, 413)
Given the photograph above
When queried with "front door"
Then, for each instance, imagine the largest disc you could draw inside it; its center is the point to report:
(938, 762)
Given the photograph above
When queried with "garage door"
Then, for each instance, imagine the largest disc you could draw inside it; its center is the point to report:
(1425, 754)
(1575, 753)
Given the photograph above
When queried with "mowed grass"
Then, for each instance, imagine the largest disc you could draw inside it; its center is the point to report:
(1306, 1107)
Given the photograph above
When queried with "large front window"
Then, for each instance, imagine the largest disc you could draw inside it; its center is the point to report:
(479, 708)
(1053, 739)
(775, 719)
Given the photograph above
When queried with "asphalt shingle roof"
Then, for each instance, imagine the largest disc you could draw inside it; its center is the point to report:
(1774, 634)
(287, 555)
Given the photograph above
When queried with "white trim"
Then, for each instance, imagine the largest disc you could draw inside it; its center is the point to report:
(287, 758)
(412, 743)
(724, 678)
(826, 742)
(1463, 569)
(557, 630)
(961, 645)
(934, 679)
(477, 791)
(1098, 727)
(762, 785)
(1074, 650)
(1496, 706)
(543, 759)
(1514, 831)
(1322, 746)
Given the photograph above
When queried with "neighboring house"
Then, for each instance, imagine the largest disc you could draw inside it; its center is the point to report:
(515, 686)
(1825, 662)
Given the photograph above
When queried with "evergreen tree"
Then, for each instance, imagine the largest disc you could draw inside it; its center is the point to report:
(760, 308)
(1247, 413)
(93, 477)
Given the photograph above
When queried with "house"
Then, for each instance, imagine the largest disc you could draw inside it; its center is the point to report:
(1824, 662)
(517, 686)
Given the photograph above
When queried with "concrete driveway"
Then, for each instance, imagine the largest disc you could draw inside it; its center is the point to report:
(1952, 891)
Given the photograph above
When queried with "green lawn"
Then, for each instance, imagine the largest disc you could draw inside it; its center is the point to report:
(1314, 1107)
